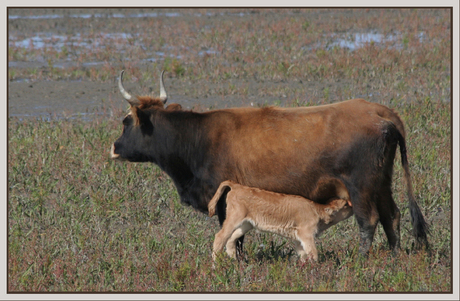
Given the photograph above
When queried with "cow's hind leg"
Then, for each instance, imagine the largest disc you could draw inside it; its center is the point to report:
(389, 218)
(367, 216)
(366, 233)
(388, 211)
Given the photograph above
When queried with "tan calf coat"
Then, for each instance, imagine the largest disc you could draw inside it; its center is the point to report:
(291, 216)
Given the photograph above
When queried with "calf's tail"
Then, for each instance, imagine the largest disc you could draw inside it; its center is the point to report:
(212, 204)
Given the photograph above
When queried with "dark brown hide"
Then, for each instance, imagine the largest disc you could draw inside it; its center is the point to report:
(284, 150)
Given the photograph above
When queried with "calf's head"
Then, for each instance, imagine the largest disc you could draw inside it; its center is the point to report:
(335, 206)
(335, 211)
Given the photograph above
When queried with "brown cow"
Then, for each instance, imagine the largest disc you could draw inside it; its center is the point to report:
(291, 216)
(285, 150)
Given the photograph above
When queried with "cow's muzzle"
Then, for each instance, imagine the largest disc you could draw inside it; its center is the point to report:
(113, 156)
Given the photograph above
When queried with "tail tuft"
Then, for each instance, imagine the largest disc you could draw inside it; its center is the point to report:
(420, 227)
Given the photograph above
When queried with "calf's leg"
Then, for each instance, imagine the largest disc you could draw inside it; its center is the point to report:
(222, 215)
(239, 247)
(306, 237)
(233, 221)
(221, 239)
(299, 249)
(232, 243)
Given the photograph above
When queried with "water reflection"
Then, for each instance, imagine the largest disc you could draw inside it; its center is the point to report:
(88, 16)
(351, 41)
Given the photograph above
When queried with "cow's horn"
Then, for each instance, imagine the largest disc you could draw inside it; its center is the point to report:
(123, 92)
(163, 95)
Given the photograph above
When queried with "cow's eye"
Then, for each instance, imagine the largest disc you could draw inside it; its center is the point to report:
(126, 121)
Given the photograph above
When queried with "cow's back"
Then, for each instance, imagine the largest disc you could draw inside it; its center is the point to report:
(287, 149)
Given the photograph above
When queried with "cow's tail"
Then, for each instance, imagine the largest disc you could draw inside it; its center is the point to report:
(212, 204)
(420, 227)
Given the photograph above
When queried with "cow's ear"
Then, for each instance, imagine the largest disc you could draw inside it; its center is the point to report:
(140, 117)
(174, 107)
(143, 117)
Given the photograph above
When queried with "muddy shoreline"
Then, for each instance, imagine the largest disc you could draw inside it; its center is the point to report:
(113, 34)
(85, 98)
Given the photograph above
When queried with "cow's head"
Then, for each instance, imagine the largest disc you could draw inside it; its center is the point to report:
(136, 141)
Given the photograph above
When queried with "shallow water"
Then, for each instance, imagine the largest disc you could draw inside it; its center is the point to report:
(58, 36)
(78, 43)
(118, 15)
(88, 16)
(352, 41)
(82, 42)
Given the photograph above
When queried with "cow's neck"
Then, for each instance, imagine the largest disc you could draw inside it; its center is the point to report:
(182, 154)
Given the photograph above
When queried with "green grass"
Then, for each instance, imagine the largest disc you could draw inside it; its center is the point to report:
(79, 222)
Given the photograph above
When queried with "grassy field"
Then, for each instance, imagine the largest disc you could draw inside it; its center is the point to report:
(78, 222)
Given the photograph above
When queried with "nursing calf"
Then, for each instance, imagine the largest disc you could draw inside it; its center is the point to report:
(291, 216)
